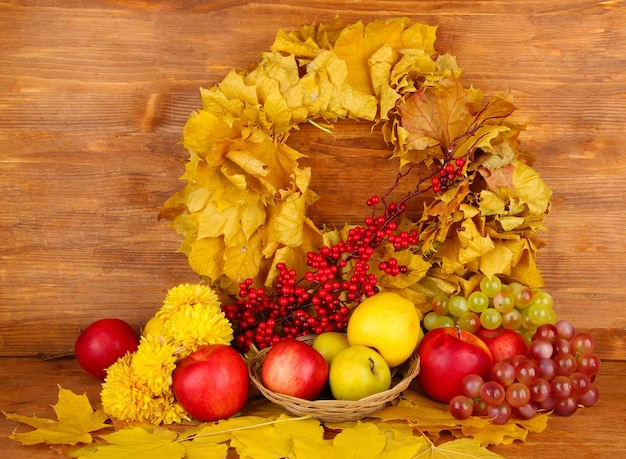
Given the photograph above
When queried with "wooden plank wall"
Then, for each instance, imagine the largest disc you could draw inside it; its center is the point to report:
(93, 100)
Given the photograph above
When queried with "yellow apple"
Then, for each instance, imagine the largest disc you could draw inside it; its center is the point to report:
(387, 322)
(329, 344)
(153, 327)
(358, 371)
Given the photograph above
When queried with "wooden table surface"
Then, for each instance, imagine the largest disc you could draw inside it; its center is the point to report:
(93, 99)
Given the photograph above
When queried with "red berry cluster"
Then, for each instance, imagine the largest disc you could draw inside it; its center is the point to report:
(448, 175)
(321, 300)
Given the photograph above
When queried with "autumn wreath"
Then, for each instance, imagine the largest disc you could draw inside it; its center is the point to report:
(243, 210)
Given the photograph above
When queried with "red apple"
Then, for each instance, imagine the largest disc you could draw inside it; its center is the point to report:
(293, 367)
(103, 342)
(211, 383)
(447, 355)
(502, 342)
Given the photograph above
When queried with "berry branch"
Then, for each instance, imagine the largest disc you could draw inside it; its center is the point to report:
(341, 276)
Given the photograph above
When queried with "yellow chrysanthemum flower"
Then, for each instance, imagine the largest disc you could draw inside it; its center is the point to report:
(171, 411)
(184, 295)
(191, 317)
(193, 327)
(124, 396)
(153, 364)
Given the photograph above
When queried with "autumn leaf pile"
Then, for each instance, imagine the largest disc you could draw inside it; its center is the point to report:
(267, 431)
(244, 206)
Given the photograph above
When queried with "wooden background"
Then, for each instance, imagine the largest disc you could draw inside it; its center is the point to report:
(93, 100)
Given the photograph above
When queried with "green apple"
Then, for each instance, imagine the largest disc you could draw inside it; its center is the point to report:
(329, 344)
(358, 371)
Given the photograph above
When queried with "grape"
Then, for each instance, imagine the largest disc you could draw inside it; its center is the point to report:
(528, 324)
(503, 301)
(565, 328)
(566, 406)
(500, 413)
(565, 363)
(580, 383)
(517, 394)
(512, 319)
(540, 391)
(444, 321)
(547, 331)
(440, 305)
(457, 305)
(527, 372)
(525, 411)
(542, 297)
(547, 404)
(469, 321)
(461, 407)
(562, 387)
(471, 385)
(490, 319)
(539, 314)
(492, 393)
(527, 335)
(547, 368)
(588, 363)
(562, 345)
(478, 301)
(490, 286)
(583, 342)
(523, 296)
(480, 408)
(430, 320)
(540, 348)
(590, 397)
(516, 360)
(503, 373)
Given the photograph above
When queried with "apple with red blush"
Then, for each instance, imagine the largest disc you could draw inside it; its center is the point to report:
(293, 367)
(102, 343)
(447, 355)
(502, 342)
(211, 383)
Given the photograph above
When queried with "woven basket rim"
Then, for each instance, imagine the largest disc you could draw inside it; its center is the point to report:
(333, 410)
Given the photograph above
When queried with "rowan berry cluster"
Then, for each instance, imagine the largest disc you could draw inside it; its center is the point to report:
(320, 301)
(448, 175)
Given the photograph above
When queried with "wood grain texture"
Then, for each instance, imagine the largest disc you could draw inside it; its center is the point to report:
(93, 100)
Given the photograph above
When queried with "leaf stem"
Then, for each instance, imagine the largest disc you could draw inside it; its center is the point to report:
(319, 126)
(252, 426)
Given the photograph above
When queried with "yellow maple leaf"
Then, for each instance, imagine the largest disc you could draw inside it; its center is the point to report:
(135, 443)
(463, 448)
(275, 440)
(515, 429)
(211, 440)
(75, 420)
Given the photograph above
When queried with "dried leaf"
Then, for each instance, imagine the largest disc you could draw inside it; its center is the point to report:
(136, 443)
(463, 448)
(362, 441)
(75, 420)
(513, 430)
(275, 440)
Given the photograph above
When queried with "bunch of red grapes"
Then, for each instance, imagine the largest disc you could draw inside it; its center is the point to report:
(557, 373)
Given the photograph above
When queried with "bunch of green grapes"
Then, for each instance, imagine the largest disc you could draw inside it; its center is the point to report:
(494, 304)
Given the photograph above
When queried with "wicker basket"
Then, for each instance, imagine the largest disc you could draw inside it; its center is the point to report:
(335, 410)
